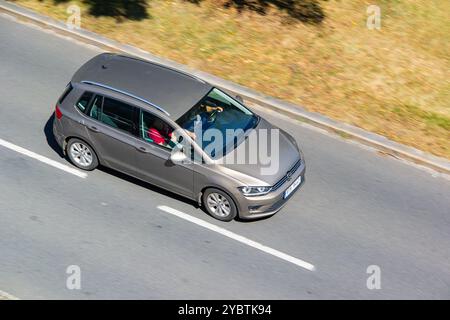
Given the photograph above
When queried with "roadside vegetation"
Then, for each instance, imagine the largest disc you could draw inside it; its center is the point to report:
(318, 54)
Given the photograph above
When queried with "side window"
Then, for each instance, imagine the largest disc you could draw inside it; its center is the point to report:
(154, 130)
(83, 103)
(96, 107)
(117, 114)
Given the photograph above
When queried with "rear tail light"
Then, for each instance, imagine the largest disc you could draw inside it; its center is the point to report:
(58, 113)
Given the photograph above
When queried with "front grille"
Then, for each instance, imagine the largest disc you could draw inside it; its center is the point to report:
(285, 178)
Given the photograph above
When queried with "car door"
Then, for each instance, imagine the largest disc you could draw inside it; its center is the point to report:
(112, 128)
(153, 158)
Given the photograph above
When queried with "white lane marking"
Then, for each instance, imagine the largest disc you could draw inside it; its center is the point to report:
(234, 236)
(43, 159)
(7, 296)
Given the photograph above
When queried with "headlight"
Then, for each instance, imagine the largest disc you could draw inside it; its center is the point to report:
(254, 191)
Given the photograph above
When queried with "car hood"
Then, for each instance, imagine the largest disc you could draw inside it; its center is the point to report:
(265, 162)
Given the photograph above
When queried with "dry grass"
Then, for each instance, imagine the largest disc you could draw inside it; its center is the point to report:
(394, 81)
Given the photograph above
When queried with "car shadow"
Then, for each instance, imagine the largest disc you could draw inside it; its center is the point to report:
(238, 219)
(51, 141)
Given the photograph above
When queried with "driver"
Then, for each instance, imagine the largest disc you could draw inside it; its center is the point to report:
(204, 117)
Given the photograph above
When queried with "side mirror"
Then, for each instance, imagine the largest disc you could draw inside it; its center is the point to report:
(239, 98)
(177, 156)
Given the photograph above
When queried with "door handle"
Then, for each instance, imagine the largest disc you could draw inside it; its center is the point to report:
(93, 128)
(143, 149)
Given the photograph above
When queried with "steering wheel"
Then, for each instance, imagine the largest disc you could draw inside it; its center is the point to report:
(213, 116)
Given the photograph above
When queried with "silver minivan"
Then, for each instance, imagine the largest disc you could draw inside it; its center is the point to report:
(178, 132)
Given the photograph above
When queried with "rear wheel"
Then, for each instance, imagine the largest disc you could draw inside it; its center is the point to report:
(81, 154)
(219, 204)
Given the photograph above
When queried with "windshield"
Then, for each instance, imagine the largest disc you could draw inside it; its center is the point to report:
(218, 123)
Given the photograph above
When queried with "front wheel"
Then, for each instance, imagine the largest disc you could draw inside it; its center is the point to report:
(81, 154)
(219, 204)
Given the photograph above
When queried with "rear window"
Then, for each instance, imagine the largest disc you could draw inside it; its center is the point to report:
(83, 103)
(65, 93)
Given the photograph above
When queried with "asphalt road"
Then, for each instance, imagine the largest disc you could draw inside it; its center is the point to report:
(358, 208)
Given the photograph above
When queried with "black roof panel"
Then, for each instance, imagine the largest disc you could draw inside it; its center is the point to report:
(172, 90)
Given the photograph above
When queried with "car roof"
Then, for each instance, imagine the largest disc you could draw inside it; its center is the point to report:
(166, 89)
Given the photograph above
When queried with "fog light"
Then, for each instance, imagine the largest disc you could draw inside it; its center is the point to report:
(253, 208)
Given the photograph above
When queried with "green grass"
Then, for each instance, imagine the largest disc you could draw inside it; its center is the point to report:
(393, 81)
(431, 119)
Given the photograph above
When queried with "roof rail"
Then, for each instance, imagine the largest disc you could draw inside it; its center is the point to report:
(125, 93)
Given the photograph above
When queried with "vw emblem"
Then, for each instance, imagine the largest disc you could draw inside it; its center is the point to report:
(289, 175)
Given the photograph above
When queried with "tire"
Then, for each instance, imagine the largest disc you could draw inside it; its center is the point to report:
(81, 154)
(219, 204)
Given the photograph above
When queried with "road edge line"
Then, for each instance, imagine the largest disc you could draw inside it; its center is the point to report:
(369, 138)
(45, 160)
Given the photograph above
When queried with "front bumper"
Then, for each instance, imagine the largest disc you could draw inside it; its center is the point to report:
(271, 203)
